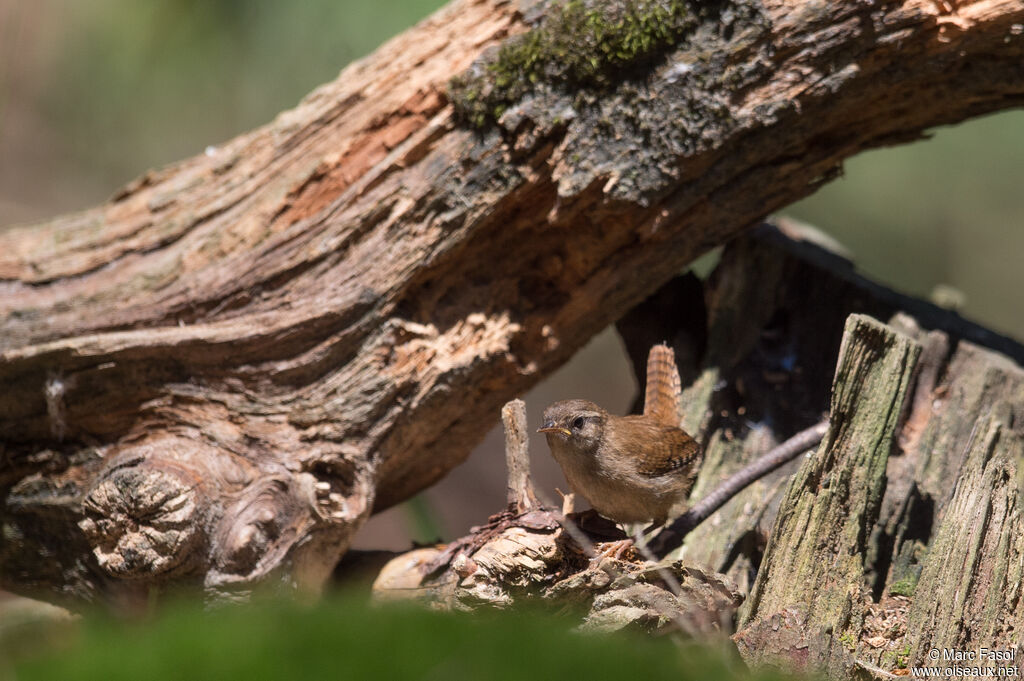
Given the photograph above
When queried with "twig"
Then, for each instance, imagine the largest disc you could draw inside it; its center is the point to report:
(520, 494)
(672, 536)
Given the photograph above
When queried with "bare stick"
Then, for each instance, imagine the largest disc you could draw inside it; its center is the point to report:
(520, 494)
(672, 536)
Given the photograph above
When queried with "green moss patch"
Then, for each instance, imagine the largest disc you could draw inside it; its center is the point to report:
(577, 43)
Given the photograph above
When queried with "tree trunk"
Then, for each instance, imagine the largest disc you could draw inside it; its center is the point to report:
(214, 378)
(907, 521)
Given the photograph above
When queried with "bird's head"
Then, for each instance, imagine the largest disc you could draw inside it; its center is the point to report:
(578, 423)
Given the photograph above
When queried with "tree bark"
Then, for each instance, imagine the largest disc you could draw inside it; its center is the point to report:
(214, 378)
(911, 536)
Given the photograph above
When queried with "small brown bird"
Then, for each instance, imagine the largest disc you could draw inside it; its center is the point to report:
(630, 468)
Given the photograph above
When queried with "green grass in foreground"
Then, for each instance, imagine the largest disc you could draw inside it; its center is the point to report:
(344, 638)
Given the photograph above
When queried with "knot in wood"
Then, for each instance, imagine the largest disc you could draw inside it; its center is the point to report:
(266, 515)
(143, 519)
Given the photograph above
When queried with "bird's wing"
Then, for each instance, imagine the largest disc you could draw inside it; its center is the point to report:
(663, 396)
(671, 451)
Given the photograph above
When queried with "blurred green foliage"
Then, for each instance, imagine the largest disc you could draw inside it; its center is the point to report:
(145, 83)
(948, 210)
(343, 637)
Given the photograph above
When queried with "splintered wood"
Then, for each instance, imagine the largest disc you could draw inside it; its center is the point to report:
(521, 496)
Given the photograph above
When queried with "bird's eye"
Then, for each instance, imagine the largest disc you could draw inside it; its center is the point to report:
(577, 423)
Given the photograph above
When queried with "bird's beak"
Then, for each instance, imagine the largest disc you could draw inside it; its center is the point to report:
(550, 427)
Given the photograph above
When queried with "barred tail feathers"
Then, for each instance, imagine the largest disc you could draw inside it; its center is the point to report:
(663, 397)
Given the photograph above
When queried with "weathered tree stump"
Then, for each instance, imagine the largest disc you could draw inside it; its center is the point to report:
(923, 537)
(919, 549)
(817, 550)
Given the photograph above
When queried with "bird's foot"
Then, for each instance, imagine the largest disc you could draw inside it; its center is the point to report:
(616, 549)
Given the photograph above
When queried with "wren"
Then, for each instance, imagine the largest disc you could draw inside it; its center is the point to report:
(630, 468)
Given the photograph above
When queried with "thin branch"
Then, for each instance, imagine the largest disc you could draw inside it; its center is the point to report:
(673, 535)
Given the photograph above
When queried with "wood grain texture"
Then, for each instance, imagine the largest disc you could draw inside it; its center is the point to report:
(833, 501)
(520, 494)
(922, 550)
(321, 317)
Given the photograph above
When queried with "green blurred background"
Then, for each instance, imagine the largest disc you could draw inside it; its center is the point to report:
(94, 93)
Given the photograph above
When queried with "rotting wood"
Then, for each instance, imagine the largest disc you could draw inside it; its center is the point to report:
(320, 318)
(954, 531)
(521, 496)
(824, 522)
(940, 567)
